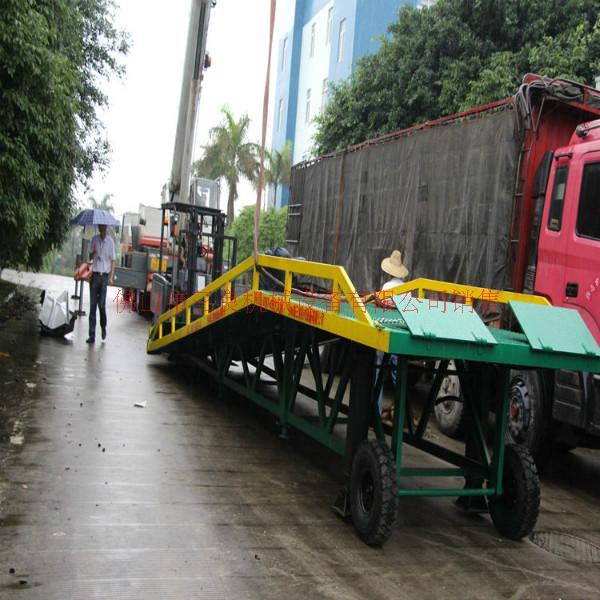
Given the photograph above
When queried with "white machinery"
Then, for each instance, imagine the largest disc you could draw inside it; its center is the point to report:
(55, 317)
(140, 250)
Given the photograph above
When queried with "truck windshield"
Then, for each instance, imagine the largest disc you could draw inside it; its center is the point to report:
(588, 216)
(557, 201)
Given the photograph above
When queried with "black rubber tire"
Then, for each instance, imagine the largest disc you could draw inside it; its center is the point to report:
(535, 433)
(515, 512)
(373, 492)
(450, 416)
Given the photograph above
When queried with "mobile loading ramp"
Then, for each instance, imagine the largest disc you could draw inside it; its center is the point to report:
(275, 336)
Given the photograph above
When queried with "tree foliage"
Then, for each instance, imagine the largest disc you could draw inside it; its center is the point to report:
(272, 233)
(229, 156)
(458, 54)
(53, 56)
(104, 204)
(279, 167)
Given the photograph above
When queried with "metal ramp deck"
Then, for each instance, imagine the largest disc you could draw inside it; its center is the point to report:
(276, 336)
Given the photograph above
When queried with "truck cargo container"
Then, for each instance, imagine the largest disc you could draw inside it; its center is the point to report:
(503, 196)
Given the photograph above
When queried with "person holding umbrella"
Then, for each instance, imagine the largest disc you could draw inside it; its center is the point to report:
(103, 270)
(102, 253)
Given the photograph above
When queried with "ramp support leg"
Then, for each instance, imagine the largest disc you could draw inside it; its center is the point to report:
(287, 385)
(477, 385)
(501, 405)
(402, 414)
(362, 381)
(359, 411)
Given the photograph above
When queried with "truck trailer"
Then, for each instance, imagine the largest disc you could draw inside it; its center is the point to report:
(503, 196)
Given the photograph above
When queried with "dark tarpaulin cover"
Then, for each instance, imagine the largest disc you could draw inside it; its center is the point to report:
(442, 196)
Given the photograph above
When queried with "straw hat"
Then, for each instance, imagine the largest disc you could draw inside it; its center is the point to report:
(392, 265)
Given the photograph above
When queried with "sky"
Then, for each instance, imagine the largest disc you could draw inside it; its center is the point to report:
(141, 118)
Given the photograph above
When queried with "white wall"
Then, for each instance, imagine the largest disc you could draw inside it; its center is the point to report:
(313, 70)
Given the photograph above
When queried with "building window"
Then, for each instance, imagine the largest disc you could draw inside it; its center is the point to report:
(588, 216)
(307, 117)
(341, 40)
(329, 26)
(313, 33)
(283, 54)
(280, 115)
(324, 94)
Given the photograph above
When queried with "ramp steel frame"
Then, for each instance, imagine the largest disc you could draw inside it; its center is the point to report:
(265, 345)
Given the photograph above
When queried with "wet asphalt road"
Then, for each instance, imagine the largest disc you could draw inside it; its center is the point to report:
(197, 497)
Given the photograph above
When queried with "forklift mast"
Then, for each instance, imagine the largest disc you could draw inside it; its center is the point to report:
(199, 249)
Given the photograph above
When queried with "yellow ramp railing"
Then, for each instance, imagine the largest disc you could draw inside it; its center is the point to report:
(468, 292)
(359, 326)
(355, 325)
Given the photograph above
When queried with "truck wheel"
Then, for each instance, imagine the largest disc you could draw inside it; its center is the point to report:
(449, 409)
(515, 512)
(373, 492)
(529, 418)
(449, 413)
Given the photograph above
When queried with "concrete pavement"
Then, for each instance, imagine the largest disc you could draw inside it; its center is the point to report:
(196, 497)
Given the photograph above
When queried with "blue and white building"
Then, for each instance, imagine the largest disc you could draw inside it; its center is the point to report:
(326, 40)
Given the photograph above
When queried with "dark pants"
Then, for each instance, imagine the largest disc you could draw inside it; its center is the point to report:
(98, 284)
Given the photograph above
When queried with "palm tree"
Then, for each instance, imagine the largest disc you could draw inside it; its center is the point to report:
(104, 204)
(279, 167)
(229, 155)
(107, 205)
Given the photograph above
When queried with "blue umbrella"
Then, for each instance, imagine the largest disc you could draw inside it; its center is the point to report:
(95, 216)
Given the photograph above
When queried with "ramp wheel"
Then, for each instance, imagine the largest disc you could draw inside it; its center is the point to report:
(515, 512)
(373, 492)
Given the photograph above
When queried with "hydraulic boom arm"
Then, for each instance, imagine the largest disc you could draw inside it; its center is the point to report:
(190, 96)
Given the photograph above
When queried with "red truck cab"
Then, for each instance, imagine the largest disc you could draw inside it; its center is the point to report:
(568, 268)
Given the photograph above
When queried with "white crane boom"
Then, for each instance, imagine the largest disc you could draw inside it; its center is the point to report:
(179, 184)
